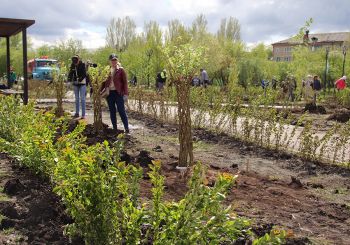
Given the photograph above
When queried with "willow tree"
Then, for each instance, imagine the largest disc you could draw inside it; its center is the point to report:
(97, 76)
(183, 62)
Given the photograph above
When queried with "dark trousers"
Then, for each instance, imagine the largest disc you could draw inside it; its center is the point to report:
(114, 99)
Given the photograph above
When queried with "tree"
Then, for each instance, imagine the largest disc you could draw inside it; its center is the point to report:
(230, 29)
(175, 29)
(120, 33)
(199, 27)
(98, 75)
(154, 46)
(16, 54)
(183, 61)
(44, 50)
(66, 49)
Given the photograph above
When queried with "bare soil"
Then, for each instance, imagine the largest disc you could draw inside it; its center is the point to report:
(30, 212)
(312, 200)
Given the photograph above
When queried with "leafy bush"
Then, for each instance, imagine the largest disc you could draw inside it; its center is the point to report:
(101, 193)
(343, 97)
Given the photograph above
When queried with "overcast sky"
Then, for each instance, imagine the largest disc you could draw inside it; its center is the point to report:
(261, 20)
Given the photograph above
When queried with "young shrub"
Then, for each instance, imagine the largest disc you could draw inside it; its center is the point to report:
(200, 217)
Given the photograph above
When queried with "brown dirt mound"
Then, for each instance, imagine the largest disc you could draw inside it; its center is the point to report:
(340, 116)
(32, 212)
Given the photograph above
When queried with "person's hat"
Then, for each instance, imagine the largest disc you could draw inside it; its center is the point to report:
(344, 78)
(113, 57)
(75, 58)
(309, 76)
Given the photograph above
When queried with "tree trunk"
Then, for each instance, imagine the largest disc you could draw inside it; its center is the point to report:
(185, 132)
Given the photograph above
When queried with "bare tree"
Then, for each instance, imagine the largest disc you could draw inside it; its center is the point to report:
(199, 26)
(120, 33)
(152, 32)
(230, 29)
(175, 29)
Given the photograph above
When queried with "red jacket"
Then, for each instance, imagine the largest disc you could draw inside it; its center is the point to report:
(340, 84)
(120, 81)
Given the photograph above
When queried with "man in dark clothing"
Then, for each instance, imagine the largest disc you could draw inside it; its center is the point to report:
(316, 86)
(134, 80)
(161, 79)
(77, 75)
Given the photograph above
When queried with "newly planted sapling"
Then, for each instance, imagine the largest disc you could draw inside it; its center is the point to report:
(183, 61)
(98, 75)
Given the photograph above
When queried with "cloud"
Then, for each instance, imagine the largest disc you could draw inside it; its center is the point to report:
(261, 20)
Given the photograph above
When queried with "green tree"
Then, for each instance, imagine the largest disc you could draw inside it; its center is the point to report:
(183, 60)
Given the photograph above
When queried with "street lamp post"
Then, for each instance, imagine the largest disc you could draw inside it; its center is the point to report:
(149, 53)
(326, 69)
(344, 56)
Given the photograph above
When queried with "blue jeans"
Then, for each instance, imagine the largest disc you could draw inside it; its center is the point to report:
(114, 99)
(80, 95)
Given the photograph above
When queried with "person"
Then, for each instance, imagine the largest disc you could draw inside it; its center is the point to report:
(117, 83)
(134, 80)
(196, 81)
(161, 80)
(13, 78)
(77, 75)
(307, 89)
(340, 84)
(316, 85)
(204, 78)
(291, 87)
(274, 83)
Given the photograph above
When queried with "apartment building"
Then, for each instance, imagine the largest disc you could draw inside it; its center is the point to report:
(282, 50)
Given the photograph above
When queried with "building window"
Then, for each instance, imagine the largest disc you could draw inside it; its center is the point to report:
(278, 59)
(288, 49)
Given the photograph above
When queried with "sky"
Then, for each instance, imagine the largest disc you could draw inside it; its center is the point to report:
(265, 21)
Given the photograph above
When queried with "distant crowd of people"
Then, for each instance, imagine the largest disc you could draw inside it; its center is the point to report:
(311, 87)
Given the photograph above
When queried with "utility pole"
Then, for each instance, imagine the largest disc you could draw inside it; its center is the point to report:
(149, 53)
(344, 56)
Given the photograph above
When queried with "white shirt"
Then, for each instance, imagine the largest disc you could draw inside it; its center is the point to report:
(111, 85)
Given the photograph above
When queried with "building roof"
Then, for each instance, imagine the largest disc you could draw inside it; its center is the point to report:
(321, 37)
(10, 27)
